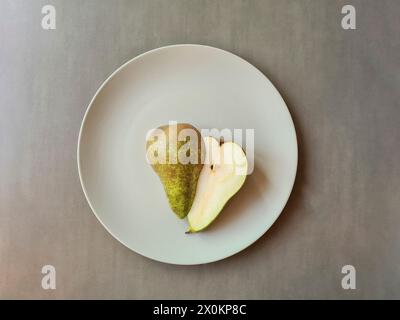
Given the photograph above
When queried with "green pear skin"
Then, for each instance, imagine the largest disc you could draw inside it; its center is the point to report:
(179, 180)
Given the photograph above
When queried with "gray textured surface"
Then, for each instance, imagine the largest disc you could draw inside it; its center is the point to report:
(342, 88)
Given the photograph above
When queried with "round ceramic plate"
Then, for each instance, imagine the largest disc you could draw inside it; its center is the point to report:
(209, 88)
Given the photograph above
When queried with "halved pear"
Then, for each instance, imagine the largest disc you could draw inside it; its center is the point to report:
(222, 175)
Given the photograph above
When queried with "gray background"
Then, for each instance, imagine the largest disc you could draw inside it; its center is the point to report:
(342, 88)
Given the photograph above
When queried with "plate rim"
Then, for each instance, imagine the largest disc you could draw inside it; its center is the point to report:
(109, 78)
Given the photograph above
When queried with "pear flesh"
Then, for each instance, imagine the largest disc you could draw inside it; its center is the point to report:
(222, 175)
(166, 147)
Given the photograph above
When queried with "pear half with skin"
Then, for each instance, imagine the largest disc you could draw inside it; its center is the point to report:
(176, 153)
(223, 174)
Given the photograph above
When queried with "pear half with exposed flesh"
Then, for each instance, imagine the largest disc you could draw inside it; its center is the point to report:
(222, 175)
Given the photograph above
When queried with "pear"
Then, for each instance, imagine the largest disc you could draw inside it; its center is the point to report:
(223, 174)
(176, 153)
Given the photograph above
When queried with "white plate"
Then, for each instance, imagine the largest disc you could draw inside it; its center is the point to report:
(209, 88)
